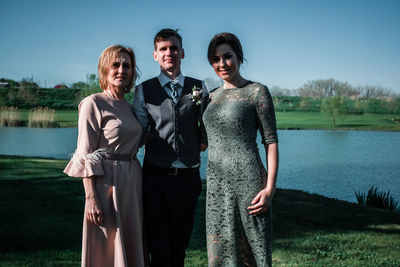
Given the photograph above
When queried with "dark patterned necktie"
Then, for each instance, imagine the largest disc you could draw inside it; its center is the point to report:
(174, 88)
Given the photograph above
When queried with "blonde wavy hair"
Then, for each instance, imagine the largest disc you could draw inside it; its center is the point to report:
(107, 58)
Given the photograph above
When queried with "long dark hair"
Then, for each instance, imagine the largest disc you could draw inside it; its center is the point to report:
(225, 38)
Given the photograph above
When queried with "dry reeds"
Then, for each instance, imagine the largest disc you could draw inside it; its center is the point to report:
(42, 118)
(11, 117)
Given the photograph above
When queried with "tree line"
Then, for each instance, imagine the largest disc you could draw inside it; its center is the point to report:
(26, 94)
(321, 88)
(91, 82)
(314, 96)
(316, 89)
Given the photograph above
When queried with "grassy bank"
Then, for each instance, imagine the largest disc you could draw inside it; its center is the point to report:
(293, 120)
(43, 209)
(67, 118)
(317, 120)
(285, 120)
(63, 118)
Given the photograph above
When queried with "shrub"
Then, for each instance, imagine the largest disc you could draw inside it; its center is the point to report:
(335, 107)
(377, 199)
(61, 98)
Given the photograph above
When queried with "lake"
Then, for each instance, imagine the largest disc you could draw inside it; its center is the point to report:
(329, 163)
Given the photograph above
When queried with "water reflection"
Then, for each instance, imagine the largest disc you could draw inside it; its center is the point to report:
(330, 163)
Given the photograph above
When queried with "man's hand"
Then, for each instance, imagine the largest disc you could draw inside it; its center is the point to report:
(203, 147)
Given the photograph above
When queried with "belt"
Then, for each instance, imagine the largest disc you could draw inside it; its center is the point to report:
(171, 171)
(125, 157)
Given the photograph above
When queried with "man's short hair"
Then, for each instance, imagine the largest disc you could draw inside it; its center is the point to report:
(165, 34)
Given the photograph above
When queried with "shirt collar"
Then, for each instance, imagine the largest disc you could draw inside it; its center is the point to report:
(164, 79)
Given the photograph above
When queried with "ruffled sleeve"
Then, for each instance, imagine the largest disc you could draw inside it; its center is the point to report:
(266, 115)
(86, 161)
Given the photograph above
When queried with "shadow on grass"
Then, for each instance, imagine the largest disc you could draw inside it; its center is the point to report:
(297, 213)
(43, 209)
(44, 213)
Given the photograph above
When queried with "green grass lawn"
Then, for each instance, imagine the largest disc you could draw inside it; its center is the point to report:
(67, 118)
(317, 120)
(43, 210)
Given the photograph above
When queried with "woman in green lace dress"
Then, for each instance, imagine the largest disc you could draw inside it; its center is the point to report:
(239, 189)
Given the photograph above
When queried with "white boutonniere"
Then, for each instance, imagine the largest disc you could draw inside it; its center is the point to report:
(196, 95)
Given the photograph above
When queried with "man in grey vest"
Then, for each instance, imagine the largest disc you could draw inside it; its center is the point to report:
(169, 107)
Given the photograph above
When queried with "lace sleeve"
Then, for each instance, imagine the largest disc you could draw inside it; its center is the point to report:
(266, 115)
(86, 161)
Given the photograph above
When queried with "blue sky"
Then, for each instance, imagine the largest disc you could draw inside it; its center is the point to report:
(286, 43)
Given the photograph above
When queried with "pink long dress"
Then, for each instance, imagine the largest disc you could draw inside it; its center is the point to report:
(108, 126)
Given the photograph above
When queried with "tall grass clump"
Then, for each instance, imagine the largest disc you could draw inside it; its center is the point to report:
(11, 117)
(42, 118)
(378, 199)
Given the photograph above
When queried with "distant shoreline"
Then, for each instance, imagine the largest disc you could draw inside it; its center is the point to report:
(293, 120)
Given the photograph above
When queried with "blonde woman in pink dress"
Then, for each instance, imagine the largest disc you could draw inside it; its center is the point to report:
(105, 158)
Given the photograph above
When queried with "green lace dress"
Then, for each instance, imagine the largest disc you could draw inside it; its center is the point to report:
(235, 174)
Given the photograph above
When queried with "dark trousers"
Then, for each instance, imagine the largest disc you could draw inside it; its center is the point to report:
(169, 203)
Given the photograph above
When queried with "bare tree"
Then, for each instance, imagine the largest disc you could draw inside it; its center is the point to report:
(278, 91)
(28, 83)
(375, 91)
(319, 89)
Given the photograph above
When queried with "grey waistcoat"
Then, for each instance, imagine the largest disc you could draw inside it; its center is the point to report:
(174, 127)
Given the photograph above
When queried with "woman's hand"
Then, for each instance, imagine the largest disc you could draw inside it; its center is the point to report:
(94, 213)
(261, 202)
